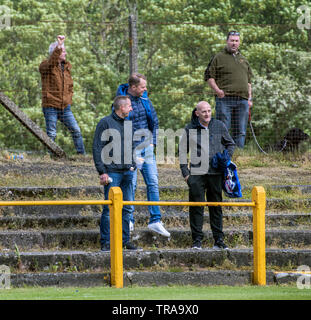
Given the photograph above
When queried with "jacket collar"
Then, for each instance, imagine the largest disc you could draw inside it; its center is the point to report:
(195, 120)
(228, 52)
(116, 117)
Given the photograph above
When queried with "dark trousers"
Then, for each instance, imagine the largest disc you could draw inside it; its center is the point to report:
(209, 186)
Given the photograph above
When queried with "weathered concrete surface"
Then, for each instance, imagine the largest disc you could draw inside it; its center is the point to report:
(52, 192)
(302, 188)
(204, 278)
(50, 210)
(183, 259)
(61, 279)
(75, 279)
(44, 217)
(53, 222)
(179, 192)
(303, 279)
(179, 238)
(89, 190)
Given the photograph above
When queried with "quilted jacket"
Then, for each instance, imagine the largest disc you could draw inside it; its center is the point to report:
(143, 115)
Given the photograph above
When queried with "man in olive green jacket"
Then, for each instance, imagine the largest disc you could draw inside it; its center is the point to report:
(229, 76)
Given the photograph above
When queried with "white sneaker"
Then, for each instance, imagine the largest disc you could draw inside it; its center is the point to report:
(131, 226)
(159, 228)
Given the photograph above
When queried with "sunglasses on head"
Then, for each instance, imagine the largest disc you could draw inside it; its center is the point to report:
(233, 33)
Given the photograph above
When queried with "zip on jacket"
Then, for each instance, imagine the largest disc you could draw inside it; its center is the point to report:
(219, 140)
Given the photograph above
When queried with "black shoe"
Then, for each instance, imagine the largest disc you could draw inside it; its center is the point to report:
(105, 247)
(219, 245)
(131, 246)
(197, 245)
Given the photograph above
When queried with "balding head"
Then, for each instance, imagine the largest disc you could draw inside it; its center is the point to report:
(204, 112)
(202, 104)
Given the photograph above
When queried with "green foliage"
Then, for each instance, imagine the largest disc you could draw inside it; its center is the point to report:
(177, 39)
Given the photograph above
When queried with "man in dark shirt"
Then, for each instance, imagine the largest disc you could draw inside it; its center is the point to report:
(229, 76)
(204, 137)
(113, 158)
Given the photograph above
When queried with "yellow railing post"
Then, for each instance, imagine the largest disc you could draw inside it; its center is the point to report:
(116, 255)
(259, 235)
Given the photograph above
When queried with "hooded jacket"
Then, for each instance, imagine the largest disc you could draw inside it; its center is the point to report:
(57, 84)
(219, 140)
(143, 115)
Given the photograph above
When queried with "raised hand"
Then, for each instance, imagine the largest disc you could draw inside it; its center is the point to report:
(60, 40)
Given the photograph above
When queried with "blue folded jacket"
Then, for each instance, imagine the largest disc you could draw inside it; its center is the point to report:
(231, 184)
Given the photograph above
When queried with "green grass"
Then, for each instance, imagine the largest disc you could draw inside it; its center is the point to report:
(273, 292)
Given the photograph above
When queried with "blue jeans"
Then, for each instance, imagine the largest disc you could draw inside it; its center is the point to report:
(149, 172)
(233, 112)
(66, 116)
(124, 180)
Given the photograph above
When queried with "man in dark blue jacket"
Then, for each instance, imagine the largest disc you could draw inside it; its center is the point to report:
(113, 158)
(145, 125)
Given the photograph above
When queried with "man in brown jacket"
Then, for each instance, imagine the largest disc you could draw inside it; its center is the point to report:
(57, 91)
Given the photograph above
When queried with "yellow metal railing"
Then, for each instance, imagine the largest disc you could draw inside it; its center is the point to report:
(116, 204)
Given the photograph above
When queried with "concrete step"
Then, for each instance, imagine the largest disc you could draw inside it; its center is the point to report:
(84, 191)
(50, 210)
(174, 260)
(16, 192)
(148, 278)
(90, 219)
(58, 221)
(89, 239)
(49, 192)
(176, 218)
(145, 278)
(305, 189)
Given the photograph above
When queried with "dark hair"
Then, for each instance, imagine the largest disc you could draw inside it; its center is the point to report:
(134, 79)
(119, 101)
(233, 33)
